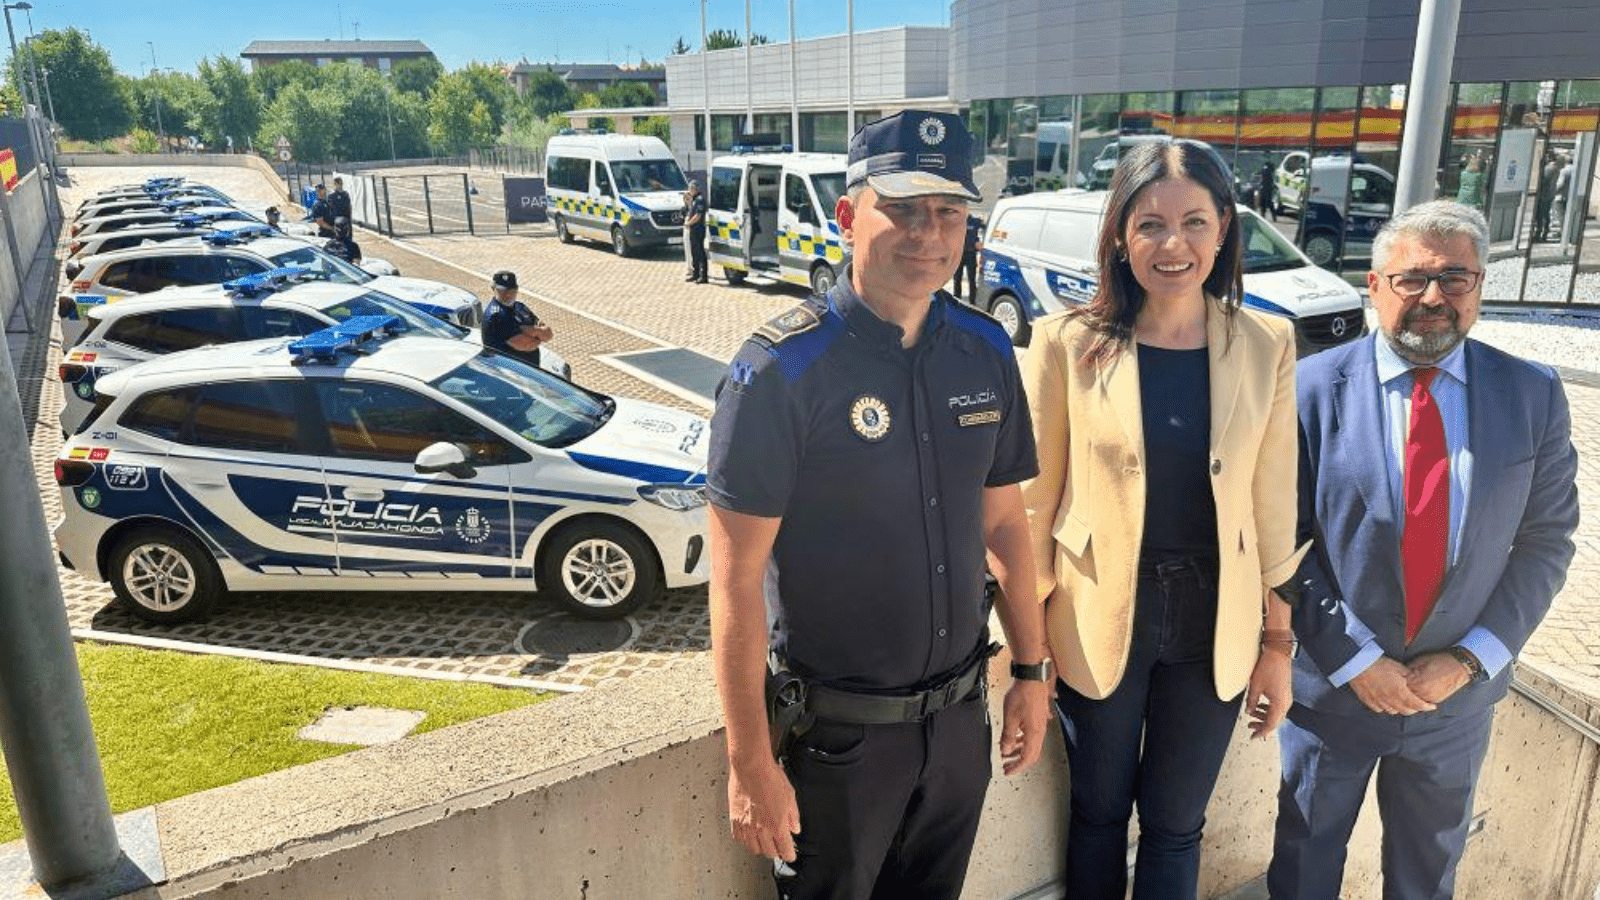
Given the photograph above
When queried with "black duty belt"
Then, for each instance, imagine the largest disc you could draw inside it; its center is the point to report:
(887, 709)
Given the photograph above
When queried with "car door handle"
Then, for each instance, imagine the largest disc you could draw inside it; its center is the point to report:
(371, 494)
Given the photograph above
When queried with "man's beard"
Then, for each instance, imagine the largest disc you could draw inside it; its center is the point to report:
(1426, 347)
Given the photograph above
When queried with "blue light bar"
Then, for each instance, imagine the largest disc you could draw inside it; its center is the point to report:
(175, 205)
(347, 335)
(744, 149)
(264, 282)
(237, 235)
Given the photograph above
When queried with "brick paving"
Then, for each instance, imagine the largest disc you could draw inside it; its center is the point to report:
(600, 304)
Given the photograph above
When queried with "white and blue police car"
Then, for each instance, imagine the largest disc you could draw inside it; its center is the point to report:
(281, 302)
(358, 458)
(1039, 257)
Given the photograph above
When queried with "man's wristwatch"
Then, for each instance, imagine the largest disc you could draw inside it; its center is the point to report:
(1042, 670)
(1470, 661)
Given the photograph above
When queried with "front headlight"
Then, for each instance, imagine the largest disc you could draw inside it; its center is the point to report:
(678, 497)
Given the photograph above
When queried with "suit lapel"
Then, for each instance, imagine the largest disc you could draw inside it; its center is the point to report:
(1486, 443)
(1228, 364)
(1121, 386)
(1358, 415)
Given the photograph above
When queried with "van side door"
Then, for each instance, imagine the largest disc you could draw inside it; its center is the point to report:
(724, 208)
(1067, 249)
(804, 237)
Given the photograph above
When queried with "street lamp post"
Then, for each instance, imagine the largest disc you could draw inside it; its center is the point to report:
(16, 60)
(33, 67)
(388, 113)
(155, 91)
(49, 99)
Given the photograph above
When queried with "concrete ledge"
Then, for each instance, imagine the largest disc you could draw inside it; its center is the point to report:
(238, 160)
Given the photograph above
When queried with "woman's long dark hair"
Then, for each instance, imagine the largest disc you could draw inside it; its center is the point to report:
(1119, 296)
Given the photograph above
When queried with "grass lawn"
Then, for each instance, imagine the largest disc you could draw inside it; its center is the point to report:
(170, 724)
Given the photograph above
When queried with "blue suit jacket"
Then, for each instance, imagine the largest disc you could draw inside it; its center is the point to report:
(1516, 538)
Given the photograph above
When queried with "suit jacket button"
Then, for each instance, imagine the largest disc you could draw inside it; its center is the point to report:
(1216, 467)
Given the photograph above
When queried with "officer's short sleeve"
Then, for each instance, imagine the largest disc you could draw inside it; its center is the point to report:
(498, 327)
(1015, 458)
(755, 436)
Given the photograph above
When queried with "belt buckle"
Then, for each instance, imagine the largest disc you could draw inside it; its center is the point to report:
(938, 698)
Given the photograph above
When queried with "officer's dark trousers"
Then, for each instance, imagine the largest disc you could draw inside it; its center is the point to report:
(1168, 697)
(696, 236)
(968, 268)
(888, 811)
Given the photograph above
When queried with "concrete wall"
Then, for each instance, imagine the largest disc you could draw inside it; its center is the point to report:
(620, 793)
(891, 65)
(235, 160)
(1030, 48)
(26, 207)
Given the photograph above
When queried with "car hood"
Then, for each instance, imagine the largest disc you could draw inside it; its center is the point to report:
(422, 293)
(1306, 291)
(648, 442)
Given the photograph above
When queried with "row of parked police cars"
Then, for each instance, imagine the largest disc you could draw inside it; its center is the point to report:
(246, 411)
(770, 216)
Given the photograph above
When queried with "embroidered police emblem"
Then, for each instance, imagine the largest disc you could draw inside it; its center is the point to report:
(869, 416)
(471, 527)
(796, 321)
(931, 131)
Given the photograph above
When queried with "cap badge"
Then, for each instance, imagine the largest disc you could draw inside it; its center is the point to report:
(869, 416)
(931, 131)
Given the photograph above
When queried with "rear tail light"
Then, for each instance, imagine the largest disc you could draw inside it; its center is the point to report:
(71, 372)
(74, 247)
(82, 285)
(77, 228)
(73, 472)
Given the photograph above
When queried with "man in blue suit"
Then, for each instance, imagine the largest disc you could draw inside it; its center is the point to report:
(1438, 474)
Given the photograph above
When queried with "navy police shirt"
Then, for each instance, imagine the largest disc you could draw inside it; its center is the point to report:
(501, 323)
(876, 458)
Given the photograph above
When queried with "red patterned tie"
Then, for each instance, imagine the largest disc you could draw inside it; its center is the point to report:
(1426, 539)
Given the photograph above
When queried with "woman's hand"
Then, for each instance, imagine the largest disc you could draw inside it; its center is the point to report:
(1270, 692)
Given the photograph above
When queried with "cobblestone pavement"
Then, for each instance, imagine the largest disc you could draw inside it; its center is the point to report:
(600, 304)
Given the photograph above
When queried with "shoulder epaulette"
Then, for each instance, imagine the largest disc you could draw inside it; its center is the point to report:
(803, 318)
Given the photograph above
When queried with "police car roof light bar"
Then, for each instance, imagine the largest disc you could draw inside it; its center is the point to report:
(347, 335)
(191, 221)
(183, 203)
(263, 282)
(237, 235)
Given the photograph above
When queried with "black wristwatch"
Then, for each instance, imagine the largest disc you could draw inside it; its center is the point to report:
(1470, 660)
(1042, 670)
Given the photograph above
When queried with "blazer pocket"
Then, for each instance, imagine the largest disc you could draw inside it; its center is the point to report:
(1072, 533)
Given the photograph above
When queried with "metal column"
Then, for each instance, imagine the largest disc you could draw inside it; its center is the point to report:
(1427, 100)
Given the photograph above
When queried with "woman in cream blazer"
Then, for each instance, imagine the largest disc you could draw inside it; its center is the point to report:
(1158, 599)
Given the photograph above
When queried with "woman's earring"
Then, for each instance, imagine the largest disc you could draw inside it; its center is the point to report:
(1219, 249)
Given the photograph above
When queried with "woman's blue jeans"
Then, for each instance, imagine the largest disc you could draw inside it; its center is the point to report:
(1167, 698)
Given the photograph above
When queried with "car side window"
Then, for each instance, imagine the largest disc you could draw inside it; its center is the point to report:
(258, 416)
(1070, 234)
(724, 194)
(172, 330)
(161, 414)
(1020, 228)
(602, 180)
(269, 322)
(367, 420)
(118, 275)
(798, 199)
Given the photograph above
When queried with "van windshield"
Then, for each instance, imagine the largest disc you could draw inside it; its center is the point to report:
(830, 187)
(1265, 250)
(640, 175)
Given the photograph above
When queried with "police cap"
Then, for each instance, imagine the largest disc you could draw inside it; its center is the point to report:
(505, 281)
(914, 153)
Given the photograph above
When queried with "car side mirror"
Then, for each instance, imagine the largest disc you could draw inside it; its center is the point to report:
(444, 457)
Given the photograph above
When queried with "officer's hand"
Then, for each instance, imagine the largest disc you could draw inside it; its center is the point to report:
(1435, 676)
(762, 809)
(1384, 688)
(1027, 716)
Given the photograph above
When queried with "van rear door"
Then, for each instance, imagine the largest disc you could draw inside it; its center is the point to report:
(724, 211)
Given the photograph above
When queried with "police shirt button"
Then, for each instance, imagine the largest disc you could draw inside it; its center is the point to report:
(1216, 467)
(943, 632)
(933, 501)
(925, 437)
(939, 568)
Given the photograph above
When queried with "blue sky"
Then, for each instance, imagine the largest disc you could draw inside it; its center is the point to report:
(185, 31)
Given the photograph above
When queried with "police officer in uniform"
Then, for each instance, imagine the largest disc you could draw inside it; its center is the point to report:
(694, 233)
(867, 447)
(509, 326)
(322, 214)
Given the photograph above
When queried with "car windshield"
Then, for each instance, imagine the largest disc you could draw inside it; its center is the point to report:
(1265, 250)
(636, 176)
(374, 304)
(830, 187)
(535, 404)
(323, 265)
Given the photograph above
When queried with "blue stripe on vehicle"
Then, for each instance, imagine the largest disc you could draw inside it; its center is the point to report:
(1256, 301)
(630, 469)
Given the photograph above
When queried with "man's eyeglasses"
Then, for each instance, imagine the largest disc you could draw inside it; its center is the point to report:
(1415, 284)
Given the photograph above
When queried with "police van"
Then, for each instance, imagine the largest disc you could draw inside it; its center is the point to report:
(357, 460)
(771, 215)
(626, 190)
(1039, 257)
(1345, 201)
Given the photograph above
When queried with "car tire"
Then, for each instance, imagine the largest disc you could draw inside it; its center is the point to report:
(822, 279)
(1322, 247)
(619, 241)
(1007, 310)
(562, 231)
(595, 569)
(163, 575)
(734, 276)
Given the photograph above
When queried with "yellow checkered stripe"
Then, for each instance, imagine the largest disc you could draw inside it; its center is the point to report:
(796, 242)
(723, 229)
(598, 209)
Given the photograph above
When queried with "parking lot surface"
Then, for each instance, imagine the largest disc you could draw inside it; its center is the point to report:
(600, 305)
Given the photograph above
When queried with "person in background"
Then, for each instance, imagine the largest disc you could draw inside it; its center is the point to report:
(970, 246)
(322, 215)
(1470, 191)
(1441, 476)
(1267, 189)
(1162, 519)
(694, 233)
(509, 326)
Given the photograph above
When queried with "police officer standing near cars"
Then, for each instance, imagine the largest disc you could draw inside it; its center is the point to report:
(866, 449)
(339, 202)
(694, 233)
(509, 326)
(322, 214)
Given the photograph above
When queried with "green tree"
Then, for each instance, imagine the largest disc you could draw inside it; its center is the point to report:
(416, 76)
(92, 102)
(489, 85)
(307, 117)
(460, 119)
(679, 48)
(628, 93)
(233, 107)
(654, 126)
(180, 96)
(10, 100)
(591, 100)
(547, 93)
(271, 80)
(722, 39)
